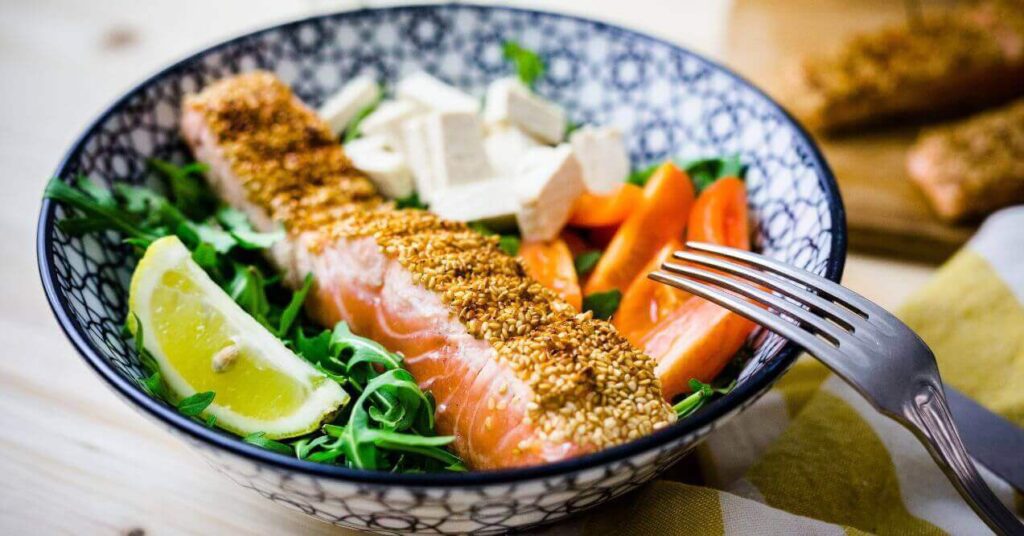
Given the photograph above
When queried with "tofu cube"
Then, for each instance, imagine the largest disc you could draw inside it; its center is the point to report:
(417, 155)
(342, 107)
(506, 146)
(494, 202)
(602, 154)
(434, 94)
(512, 103)
(386, 121)
(549, 183)
(455, 143)
(386, 168)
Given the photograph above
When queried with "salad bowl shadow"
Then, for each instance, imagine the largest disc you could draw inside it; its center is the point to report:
(668, 101)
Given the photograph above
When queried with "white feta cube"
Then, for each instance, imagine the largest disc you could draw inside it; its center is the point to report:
(602, 154)
(386, 168)
(434, 94)
(342, 107)
(387, 119)
(457, 155)
(417, 154)
(506, 146)
(510, 102)
(548, 184)
(494, 202)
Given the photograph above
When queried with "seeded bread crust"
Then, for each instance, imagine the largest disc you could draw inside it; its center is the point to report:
(590, 385)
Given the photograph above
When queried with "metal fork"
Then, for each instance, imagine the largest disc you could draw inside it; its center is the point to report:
(869, 348)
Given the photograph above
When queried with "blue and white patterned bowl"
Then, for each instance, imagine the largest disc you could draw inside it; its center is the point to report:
(670, 101)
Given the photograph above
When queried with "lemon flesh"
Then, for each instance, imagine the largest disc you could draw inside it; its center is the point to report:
(203, 341)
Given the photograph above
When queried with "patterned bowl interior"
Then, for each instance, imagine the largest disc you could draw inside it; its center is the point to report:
(669, 101)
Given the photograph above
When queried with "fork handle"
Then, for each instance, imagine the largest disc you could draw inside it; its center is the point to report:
(928, 417)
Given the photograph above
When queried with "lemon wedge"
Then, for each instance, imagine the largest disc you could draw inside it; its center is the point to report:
(203, 341)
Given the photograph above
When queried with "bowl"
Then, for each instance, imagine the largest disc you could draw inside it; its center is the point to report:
(668, 100)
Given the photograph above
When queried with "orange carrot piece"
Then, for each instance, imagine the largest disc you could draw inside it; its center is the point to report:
(697, 341)
(661, 216)
(601, 210)
(551, 264)
(719, 215)
(647, 302)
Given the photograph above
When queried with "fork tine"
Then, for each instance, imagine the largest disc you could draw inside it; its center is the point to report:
(833, 290)
(833, 332)
(750, 311)
(783, 286)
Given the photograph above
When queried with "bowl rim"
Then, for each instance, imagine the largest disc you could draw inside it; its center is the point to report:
(168, 416)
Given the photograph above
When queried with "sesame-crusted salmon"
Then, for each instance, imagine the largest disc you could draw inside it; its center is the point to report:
(950, 61)
(519, 376)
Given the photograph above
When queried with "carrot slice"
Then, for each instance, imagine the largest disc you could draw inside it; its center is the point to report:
(601, 210)
(647, 302)
(661, 216)
(719, 215)
(696, 341)
(551, 264)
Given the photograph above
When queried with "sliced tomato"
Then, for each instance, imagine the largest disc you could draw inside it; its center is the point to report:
(660, 217)
(647, 302)
(603, 210)
(719, 215)
(695, 342)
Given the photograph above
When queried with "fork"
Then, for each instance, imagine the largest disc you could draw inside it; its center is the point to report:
(869, 348)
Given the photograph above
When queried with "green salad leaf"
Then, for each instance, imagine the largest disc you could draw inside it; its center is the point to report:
(528, 64)
(603, 304)
(702, 393)
(702, 171)
(196, 404)
(586, 261)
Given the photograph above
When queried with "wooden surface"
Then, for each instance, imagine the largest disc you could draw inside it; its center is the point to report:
(74, 458)
(885, 211)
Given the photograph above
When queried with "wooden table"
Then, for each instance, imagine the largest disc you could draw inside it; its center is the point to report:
(73, 457)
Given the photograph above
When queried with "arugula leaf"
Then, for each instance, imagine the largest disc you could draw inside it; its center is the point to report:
(195, 404)
(103, 216)
(481, 228)
(703, 171)
(248, 290)
(260, 440)
(294, 306)
(352, 130)
(603, 304)
(570, 127)
(702, 392)
(509, 244)
(188, 192)
(154, 385)
(586, 261)
(529, 65)
(238, 227)
(640, 176)
(411, 201)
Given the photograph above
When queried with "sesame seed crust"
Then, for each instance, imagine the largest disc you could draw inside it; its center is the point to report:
(590, 386)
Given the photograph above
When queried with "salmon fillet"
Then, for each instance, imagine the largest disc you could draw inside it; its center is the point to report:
(953, 61)
(972, 167)
(519, 376)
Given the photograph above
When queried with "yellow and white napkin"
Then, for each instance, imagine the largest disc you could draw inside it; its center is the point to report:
(812, 457)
